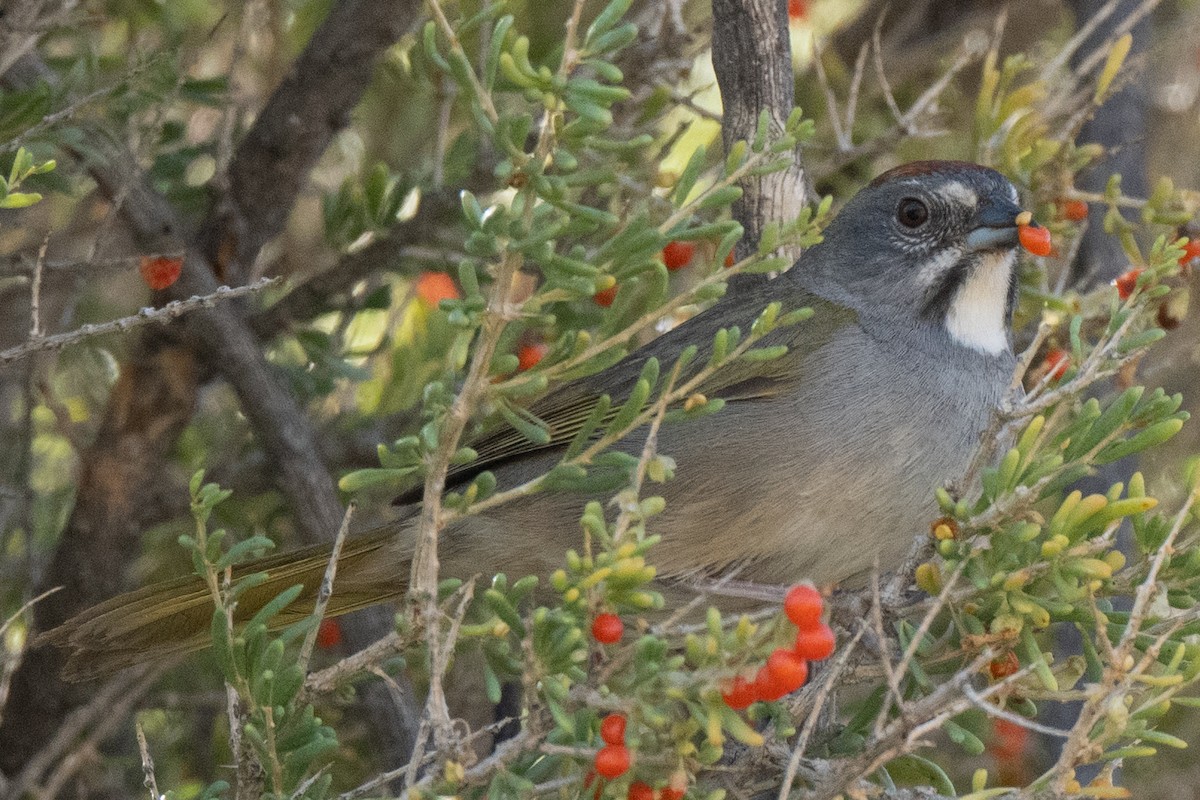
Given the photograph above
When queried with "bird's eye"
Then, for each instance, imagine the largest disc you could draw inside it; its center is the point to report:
(912, 213)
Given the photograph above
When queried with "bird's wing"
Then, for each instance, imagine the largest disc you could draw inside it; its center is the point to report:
(565, 410)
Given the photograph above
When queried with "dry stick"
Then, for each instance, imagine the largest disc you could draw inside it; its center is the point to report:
(111, 715)
(425, 566)
(993, 710)
(860, 69)
(148, 779)
(326, 590)
(163, 314)
(904, 734)
(1055, 65)
(308, 782)
(927, 621)
(881, 76)
(1116, 679)
(885, 658)
(810, 724)
(102, 704)
(25, 607)
(334, 677)
(839, 134)
(1126, 25)
(35, 292)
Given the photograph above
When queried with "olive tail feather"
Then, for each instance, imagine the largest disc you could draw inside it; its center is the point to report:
(174, 617)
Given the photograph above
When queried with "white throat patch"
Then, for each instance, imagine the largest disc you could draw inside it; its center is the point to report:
(976, 316)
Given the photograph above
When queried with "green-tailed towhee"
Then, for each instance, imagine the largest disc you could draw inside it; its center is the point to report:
(821, 462)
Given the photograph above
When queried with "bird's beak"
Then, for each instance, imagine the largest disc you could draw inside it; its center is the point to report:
(995, 226)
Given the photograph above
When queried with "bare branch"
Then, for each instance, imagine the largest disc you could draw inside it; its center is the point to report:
(162, 315)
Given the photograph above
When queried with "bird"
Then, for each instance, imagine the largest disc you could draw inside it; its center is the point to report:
(822, 464)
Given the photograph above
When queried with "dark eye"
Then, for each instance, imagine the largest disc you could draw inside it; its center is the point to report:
(912, 213)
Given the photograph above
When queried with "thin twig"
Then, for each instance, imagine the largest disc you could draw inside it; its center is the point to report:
(162, 315)
(35, 292)
(326, 590)
(810, 723)
(148, 779)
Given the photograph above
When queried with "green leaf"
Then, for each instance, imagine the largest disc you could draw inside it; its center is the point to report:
(689, 176)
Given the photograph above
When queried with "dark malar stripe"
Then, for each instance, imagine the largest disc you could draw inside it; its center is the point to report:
(941, 294)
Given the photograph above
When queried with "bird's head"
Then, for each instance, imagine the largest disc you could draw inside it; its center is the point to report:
(928, 243)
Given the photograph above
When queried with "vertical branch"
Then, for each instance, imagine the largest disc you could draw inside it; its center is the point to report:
(753, 61)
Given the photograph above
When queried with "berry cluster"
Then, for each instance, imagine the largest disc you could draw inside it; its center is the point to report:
(614, 759)
(787, 670)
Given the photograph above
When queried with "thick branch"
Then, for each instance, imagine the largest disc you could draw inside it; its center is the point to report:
(272, 163)
(753, 61)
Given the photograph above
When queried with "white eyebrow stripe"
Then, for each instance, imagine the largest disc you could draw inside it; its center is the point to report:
(960, 193)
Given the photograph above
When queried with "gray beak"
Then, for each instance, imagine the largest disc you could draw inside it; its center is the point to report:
(995, 226)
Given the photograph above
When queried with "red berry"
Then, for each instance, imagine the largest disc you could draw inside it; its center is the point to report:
(1035, 239)
(605, 297)
(1003, 666)
(607, 628)
(790, 669)
(729, 261)
(1056, 362)
(1127, 282)
(640, 791)
(613, 761)
(797, 9)
(1191, 250)
(1008, 743)
(671, 793)
(815, 644)
(529, 355)
(160, 272)
(329, 634)
(739, 693)
(803, 606)
(1074, 210)
(767, 687)
(677, 255)
(612, 729)
(434, 287)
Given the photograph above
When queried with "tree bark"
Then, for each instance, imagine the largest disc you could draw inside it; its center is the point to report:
(752, 57)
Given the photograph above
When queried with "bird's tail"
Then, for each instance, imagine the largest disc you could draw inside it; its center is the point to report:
(174, 617)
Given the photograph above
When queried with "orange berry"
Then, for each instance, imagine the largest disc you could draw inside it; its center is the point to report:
(608, 628)
(1127, 282)
(1191, 251)
(529, 355)
(767, 687)
(1057, 362)
(797, 9)
(739, 693)
(677, 255)
(1035, 239)
(605, 297)
(1003, 666)
(434, 287)
(803, 606)
(1009, 741)
(613, 761)
(816, 644)
(729, 260)
(676, 788)
(329, 634)
(159, 272)
(640, 791)
(1074, 210)
(787, 669)
(612, 729)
